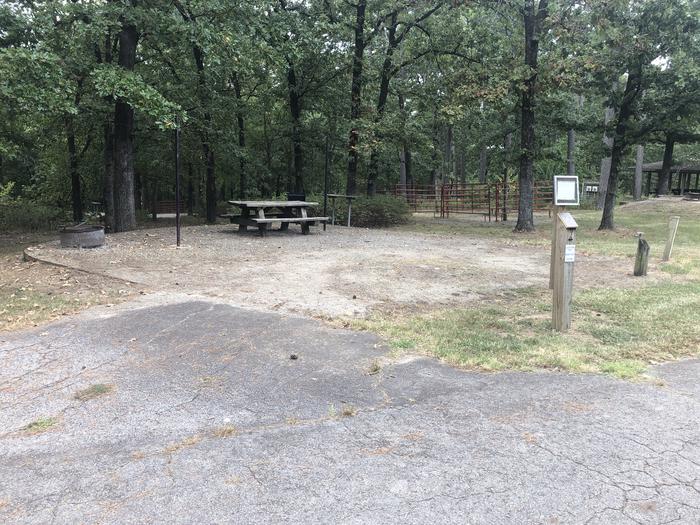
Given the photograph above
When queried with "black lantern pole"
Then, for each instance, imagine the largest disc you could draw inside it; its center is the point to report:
(326, 174)
(177, 178)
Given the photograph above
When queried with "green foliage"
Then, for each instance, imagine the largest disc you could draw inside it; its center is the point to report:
(117, 83)
(375, 212)
(17, 213)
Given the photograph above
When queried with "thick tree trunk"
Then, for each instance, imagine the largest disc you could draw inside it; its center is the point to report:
(76, 192)
(356, 96)
(243, 178)
(526, 180)
(665, 174)
(124, 206)
(619, 144)
(295, 108)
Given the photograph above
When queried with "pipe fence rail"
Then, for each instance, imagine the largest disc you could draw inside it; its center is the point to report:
(494, 201)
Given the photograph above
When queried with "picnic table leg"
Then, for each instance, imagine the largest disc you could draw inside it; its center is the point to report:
(245, 213)
(333, 211)
(286, 213)
(262, 228)
(304, 225)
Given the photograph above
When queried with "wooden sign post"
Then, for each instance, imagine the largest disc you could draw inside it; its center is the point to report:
(672, 230)
(641, 261)
(563, 272)
(563, 255)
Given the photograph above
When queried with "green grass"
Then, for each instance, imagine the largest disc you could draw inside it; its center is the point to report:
(648, 217)
(617, 332)
(41, 425)
(20, 308)
(92, 392)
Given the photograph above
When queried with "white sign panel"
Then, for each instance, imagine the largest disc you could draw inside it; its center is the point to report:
(570, 253)
(566, 192)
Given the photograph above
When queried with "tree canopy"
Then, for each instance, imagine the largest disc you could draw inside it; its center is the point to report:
(394, 91)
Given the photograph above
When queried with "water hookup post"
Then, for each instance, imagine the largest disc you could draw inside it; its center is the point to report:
(563, 254)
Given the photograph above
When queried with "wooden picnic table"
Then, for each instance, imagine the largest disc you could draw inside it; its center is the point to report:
(262, 214)
(333, 196)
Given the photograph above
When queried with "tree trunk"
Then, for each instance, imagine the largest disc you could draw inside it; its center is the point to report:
(190, 190)
(108, 153)
(295, 108)
(638, 167)
(665, 174)
(449, 157)
(570, 151)
(108, 175)
(356, 96)
(632, 88)
(243, 185)
(76, 192)
(507, 151)
(482, 165)
(526, 178)
(605, 162)
(124, 206)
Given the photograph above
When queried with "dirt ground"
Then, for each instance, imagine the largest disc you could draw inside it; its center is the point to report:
(339, 272)
(33, 292)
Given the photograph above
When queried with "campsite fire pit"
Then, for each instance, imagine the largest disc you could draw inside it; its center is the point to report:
(82, 236)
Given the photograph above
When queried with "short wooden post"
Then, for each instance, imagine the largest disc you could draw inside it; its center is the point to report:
(672, 229)
(563, 271)
(557, 210)
(641, 262)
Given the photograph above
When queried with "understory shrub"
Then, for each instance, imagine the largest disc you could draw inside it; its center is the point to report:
(18, 213)
(379, 211)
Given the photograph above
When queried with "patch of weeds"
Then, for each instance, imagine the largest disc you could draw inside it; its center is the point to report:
(292, 421)
(374, 368)
(403, 344)
(348, 411)
(331, 410)
(40, 425)
(626, 369)
(92, 392)
(225, 431)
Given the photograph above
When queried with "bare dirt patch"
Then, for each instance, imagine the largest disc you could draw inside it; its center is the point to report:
(340, 272)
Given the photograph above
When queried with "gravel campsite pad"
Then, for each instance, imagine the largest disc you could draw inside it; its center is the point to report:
(339, 272)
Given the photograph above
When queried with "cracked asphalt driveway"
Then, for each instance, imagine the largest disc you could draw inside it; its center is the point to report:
(204, 418)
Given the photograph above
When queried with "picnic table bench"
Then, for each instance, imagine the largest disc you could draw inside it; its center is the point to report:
(692, 196)
(262, 214)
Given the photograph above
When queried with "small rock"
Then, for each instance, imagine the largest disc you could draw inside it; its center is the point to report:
(293, 357)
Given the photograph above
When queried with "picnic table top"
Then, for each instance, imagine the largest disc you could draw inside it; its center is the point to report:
(273, 204)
